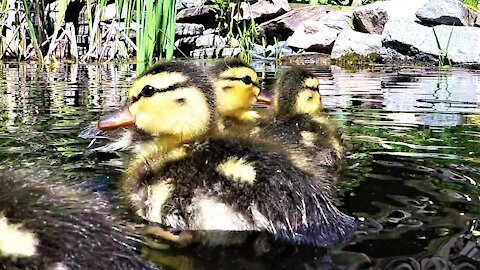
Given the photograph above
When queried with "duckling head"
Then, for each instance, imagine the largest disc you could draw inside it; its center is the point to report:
(297, 93)
(169, 99)
(236, 87)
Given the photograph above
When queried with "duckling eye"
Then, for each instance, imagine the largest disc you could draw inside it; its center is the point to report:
(310, 97)
(147, 91)
(181, 101)
(247, 80)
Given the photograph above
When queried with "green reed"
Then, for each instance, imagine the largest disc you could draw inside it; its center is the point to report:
(443, 53)
(31, 31)
(155, 36)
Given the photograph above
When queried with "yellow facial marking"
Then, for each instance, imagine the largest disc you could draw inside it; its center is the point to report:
(158, 81)
(312, 83)
(15, 241)
(183, 113)
(233, 95)
(158, 194)
(238, 169)
(308, 102)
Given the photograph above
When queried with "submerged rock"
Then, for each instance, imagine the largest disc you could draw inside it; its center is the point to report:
(283, 26)
(449, 12)
(362, 44)
(418, 41)
(214, 52)
(372, 18)
(313, 36)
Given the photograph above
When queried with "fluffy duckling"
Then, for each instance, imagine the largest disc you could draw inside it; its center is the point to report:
(197, 179)
(300, 123)
(236, 89)
(45, 224)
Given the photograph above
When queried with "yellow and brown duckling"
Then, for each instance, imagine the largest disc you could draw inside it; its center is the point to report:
(198, 179)
(236, 89)
(300, 123)
(46, 224)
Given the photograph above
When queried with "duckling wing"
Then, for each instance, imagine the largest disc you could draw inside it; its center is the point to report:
(318, 142)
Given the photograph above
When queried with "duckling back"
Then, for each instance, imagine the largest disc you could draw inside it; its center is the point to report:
(45, 224)
(236, 184)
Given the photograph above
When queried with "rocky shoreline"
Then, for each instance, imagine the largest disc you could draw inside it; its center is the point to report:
(440, 32)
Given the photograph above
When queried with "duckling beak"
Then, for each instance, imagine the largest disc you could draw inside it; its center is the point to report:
(263, 99)
(121, 118)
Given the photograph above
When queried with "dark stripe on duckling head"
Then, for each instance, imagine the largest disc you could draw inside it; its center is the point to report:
(246, 80)
(149, 90)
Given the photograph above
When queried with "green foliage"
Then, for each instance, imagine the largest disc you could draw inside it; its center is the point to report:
(31, 31)
(443, 53)
(156, 31)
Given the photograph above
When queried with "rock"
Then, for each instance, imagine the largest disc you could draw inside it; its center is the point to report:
(350, 41)
(263, 9)
(189, 29)
(181, 4)
(188, 44)
(201, 15)
(214, 52)
(449, 12)
(477, 22)
(418, 41)
(283, 26)
(313, 36)
(318, 59)
(372, 18)
(339, 20)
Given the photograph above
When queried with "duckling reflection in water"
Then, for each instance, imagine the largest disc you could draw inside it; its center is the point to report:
(45, 224)
(300, 124)
(236, 89)
(197, 179)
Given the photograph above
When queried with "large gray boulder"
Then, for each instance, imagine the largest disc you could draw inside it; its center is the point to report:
(418, 41)
(372, 18)
(449, 12)
(313, 36)
(339, 20)
(350, 41)
(263, 9)
(283, 26)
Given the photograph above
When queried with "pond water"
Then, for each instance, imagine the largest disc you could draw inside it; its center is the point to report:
(411, 178)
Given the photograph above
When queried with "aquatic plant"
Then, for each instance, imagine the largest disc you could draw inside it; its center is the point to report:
(443, 53)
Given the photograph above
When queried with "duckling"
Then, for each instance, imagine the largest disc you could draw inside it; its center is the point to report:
(300, 123)
(199, 179)
(236, 87)
(46, 224)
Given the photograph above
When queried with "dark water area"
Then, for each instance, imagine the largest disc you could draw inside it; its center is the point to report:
(410, 179)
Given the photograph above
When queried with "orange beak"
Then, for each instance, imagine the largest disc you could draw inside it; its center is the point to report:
(263, 99)
(121, 118)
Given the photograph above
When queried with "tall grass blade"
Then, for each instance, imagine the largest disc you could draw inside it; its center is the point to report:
(61, 8)
(31, 32)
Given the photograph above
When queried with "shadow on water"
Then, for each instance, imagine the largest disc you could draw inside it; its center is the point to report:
(411, 178)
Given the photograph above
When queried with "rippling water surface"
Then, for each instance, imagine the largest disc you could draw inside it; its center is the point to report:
(411, 178)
